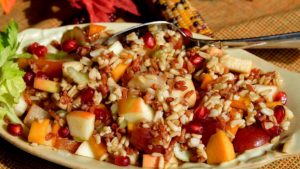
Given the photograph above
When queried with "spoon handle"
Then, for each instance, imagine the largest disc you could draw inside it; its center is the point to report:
(288, 40)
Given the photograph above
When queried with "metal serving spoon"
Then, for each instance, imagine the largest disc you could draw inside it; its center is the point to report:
(288, 40)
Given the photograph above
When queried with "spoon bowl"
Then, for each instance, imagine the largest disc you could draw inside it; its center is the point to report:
(288, 40)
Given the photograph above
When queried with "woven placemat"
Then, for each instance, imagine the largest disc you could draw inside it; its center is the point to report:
(251, 18)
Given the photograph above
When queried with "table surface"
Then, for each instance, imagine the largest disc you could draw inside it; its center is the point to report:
(227, 19)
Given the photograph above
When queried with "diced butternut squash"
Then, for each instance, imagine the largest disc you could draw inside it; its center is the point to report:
(118, 71)
(242, 103)
(38, 131)
(206, 79)
(233, 129)
(150, 161)
(94, 29)
(55, 128)
(219, 148)
(46, 85)
(54, 134)
(271, 105)
(97, 149)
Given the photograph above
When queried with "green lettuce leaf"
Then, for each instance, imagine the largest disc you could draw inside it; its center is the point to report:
(11, 77)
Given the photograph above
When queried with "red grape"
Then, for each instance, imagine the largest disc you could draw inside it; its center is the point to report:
(281, 96)
(149, 40)
(210, 127)
(122, 160)
(273, 131)
(141, 138)
(15, 129)
(250, 137)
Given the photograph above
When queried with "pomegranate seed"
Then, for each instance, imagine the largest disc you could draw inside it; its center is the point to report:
(122, 160)
(28, 78)
(32, 47)
(87, 95)
(149, 40)
(186, 32)
(40, 51)
(281, 96)
(196, 59)
(114, 127)
(194, 127)
(100, 114)
(64, 132)
(200, 113)
(279, 113)
(41, 75)
(69, 45)
(15, 129)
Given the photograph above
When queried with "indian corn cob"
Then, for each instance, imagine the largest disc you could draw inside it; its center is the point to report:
(181, 13)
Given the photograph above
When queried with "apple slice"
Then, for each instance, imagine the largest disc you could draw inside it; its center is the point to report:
(46, 85)
(143, 82)
(236, 64)
(191, 100)
(183, 155)
(85, 150)
(21, 106)
(35, 113)
(116, 47)
(81, 124)
(134, 109)
(74, 64)
(91, 149)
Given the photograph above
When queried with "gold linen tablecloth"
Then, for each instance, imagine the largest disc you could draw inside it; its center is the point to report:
(227, 18)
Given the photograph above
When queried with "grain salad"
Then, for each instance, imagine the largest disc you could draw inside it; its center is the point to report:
(149, 100)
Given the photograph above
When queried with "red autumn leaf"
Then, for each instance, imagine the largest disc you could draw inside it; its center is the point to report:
(100, 10)
(7, 5)
(128, 6)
